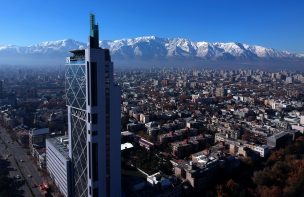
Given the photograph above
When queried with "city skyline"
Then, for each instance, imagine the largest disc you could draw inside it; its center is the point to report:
(270, 24)
(205, 99)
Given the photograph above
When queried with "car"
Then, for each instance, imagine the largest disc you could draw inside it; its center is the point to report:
(21, 160)
(17, 176)
(29, 176)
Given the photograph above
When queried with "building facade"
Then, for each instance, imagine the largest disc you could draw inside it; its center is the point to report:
(37, 138)
(93, 101)
(58, 164)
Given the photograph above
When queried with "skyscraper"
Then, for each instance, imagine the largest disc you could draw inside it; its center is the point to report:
(93, 101)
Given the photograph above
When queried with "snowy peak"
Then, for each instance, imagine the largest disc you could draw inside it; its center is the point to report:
(152, 47)
(49, 47)
(60, 45)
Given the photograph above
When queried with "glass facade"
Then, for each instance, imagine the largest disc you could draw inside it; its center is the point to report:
(79, 156)
(76, 99)
(75, 84)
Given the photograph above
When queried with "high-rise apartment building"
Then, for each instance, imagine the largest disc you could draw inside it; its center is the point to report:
(93, 101)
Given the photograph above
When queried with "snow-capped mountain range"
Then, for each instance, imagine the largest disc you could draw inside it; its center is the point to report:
(147, 47)
(151, 46)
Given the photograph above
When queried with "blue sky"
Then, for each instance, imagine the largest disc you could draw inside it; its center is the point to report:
(272, 23)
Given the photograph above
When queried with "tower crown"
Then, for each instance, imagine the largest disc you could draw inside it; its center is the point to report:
(94, 33)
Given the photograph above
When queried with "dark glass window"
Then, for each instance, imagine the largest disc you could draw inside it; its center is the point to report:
(107, 55)
(90, 171)
(94, 83)
(89, 117)
(95, 192)
(95, 161)
(88, 83)
(94, 118)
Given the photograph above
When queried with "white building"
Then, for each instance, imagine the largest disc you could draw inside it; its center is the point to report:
(58, 164)
(262, 150)
(302, 120)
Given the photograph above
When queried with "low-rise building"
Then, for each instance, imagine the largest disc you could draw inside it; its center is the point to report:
(37, 138)
(58, 164)
(279, 140)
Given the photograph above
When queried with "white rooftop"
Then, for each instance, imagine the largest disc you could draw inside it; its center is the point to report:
(126, 146)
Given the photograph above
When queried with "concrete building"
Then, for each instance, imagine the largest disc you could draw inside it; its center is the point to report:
(58, 164)
(37, 138)
(220, 92)
(93, 101)
(279, 140)
(144, 118)
(302, 120)
(199, 172)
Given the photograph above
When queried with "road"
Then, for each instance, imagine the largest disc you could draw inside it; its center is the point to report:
(21, 164)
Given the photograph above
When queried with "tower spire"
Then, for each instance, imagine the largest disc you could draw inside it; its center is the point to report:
(94, 33)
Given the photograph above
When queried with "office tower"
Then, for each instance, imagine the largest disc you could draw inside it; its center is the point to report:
(93, 102)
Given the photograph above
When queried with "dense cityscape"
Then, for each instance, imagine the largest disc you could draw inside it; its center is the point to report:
(184, 131)
(151, 99)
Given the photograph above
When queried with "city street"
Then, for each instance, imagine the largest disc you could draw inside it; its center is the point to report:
(22, 167)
